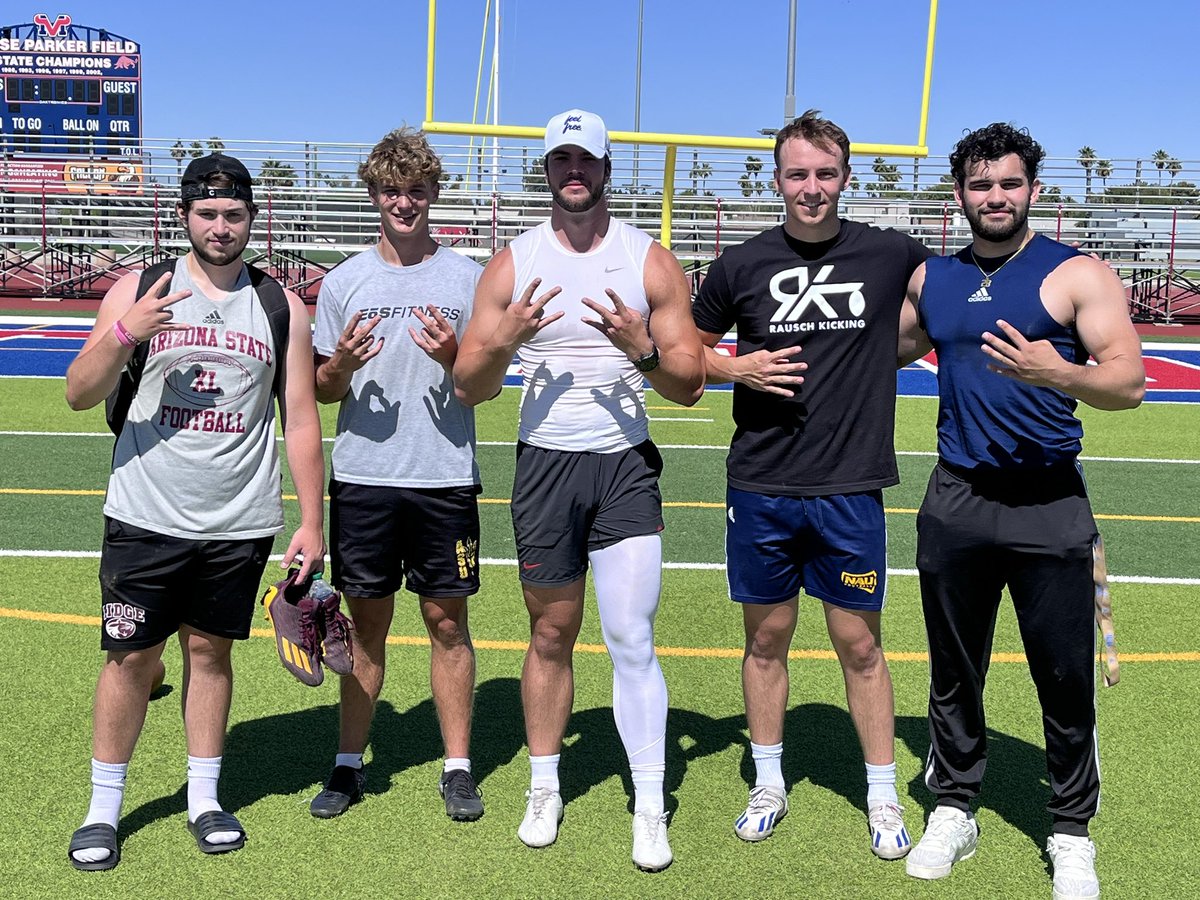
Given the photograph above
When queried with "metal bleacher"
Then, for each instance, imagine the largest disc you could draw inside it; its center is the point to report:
(313, 213)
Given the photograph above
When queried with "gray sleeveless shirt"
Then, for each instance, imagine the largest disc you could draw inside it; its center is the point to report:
(197, 456)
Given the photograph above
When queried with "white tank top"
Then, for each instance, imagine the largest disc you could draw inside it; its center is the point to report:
(578, 391)
(197, 456)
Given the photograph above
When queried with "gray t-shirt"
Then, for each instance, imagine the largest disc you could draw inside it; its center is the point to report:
(197, 458)
(400, 424)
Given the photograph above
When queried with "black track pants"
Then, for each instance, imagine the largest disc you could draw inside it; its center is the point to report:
(1035, 536)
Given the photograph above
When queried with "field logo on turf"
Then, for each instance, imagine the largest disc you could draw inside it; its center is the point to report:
(866, 582)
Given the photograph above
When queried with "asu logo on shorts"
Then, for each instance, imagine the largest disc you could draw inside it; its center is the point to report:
(466, 555)
(865, 582)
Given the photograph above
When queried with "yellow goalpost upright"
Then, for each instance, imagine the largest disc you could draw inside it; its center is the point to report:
(673, 142)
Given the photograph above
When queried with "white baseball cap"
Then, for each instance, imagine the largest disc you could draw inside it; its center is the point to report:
(578, 128)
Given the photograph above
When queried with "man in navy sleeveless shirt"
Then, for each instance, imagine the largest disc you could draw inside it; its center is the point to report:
(1013, 318)
(811, 453)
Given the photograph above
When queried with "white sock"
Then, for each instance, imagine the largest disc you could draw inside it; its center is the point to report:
(881, 784)
(202, 775)
(353, 760)
(648, 787)
(456, 762)
(628, 578)
(768, 765)
(544, 772)
(108, 791)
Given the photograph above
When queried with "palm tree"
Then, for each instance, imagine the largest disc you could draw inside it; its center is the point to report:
(178, 153)
(1160, 160)
(215, 145)
(1174, 167)
(1104, 170)
(700, 171)
(273, 173)
(1087, 158)
(888, 175)
(195, 151)
(749, 182)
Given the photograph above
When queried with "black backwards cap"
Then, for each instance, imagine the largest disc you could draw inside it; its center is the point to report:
(193, 186)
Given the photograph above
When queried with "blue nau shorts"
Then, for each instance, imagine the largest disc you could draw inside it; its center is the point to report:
(834, 547)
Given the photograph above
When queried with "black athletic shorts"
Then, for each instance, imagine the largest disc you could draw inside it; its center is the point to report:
(566, 503)
(152, 583)
(384, 538)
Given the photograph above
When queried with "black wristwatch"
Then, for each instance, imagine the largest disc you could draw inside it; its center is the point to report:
(649, 362)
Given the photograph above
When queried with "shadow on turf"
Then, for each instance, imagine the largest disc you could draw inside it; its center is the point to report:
(820, 742)
(292, 752)
(821, 746)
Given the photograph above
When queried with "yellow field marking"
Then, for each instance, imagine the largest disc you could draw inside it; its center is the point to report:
(675, 504)
(31, 615)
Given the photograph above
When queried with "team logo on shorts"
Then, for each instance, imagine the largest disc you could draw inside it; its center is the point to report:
(121, 620)
(866, 582)
(466, 554)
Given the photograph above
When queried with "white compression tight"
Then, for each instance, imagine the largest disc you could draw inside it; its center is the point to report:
(628, 578)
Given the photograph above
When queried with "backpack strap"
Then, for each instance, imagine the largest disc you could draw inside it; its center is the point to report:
(279, 316)
(116, 405)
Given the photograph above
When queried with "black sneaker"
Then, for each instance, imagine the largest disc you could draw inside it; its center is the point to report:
(344, 788)
(464, 800)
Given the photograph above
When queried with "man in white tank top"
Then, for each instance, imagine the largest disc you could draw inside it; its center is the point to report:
(592, 306)
(194, 500)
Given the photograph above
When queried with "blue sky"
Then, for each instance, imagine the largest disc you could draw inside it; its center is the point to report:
(1074, 73)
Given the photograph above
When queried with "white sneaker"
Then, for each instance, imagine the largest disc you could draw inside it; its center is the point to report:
(651, 852)
(889, 837)
(1074, 861)
(543, 812)
(950, 836)
(766, 807)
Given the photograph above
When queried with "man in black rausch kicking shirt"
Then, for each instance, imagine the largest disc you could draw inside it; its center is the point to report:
(816, 303)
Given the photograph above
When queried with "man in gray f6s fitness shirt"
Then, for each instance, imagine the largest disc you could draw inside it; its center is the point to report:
(404, 484)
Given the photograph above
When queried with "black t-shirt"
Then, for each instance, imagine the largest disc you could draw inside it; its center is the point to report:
(840, 301)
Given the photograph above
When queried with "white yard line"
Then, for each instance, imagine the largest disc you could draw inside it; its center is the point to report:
(720, 447)
(511, 563)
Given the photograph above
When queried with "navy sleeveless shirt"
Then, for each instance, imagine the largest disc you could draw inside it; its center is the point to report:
(988, 421)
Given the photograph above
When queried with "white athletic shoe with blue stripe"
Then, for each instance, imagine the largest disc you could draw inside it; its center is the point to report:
(889, 837)
(766, 807)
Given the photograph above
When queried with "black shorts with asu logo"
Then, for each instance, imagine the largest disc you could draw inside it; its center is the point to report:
(568, 502)
(382, 538)
(152, 583)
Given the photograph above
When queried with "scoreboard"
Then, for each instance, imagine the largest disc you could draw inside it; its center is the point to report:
(69, 91)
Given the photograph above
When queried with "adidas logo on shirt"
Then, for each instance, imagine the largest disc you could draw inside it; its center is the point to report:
(213, 318)
(980, 296)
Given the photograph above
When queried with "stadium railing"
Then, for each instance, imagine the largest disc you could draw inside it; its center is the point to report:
(73, 240)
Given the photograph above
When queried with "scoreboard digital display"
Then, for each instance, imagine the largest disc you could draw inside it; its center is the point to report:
(68, 91)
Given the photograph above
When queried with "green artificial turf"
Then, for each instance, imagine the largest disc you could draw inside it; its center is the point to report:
(399, 843)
